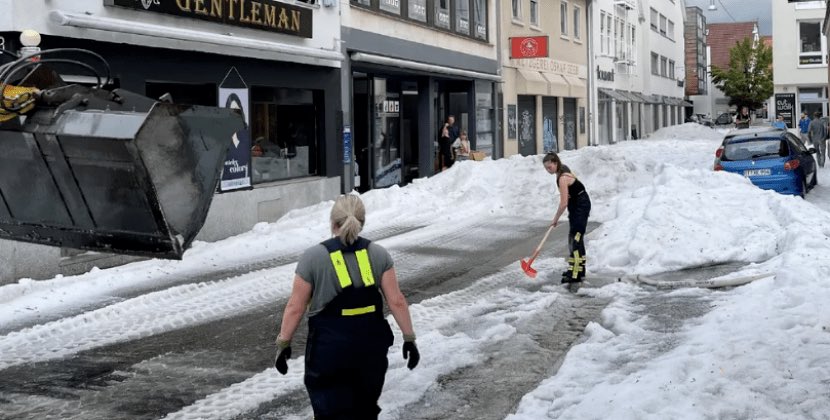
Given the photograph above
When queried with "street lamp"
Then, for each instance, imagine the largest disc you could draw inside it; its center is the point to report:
(712, 5)
(30, 39)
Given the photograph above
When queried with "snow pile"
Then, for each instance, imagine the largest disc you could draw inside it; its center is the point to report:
(688, 131)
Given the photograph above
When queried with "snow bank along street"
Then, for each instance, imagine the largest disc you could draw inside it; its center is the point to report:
(755, 351)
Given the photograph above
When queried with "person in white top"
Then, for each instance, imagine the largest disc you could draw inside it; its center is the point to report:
(461, 146)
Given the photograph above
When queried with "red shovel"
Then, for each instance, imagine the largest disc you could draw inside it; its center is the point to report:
(530, 271)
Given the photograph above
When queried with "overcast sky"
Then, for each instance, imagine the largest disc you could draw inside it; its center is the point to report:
(738, 11)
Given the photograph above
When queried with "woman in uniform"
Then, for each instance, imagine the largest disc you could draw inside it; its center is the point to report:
(572, 195)
(341, 281)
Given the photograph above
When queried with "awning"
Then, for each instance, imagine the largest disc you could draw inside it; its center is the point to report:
(615, 95)
(430, 68)
(531, 82)
(577, 86)
(687, 104)
(652, 99)
(557, 84)
(632, 96)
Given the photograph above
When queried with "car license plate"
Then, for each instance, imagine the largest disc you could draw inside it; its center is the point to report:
(757, 172)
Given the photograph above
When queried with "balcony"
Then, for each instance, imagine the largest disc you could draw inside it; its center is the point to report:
(628, 4)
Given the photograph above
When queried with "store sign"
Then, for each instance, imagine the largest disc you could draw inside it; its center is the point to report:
(608, 76)
(809, 59)
(784, 106)
(270, 15)
(529, 47)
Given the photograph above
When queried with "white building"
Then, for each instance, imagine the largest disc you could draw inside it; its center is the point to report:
(637, 65)
(663, 55)
(799, 56)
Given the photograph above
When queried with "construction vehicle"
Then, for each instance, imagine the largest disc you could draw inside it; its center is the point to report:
(101, 169)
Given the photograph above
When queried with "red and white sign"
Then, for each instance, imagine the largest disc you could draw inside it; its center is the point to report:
(529, 47)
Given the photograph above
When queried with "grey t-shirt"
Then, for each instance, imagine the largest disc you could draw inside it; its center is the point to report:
(316, 268)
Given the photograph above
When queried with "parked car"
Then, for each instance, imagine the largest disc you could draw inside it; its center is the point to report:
(724, 119)
(771, 158)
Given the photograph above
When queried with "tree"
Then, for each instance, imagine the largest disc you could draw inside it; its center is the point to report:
(748, 79)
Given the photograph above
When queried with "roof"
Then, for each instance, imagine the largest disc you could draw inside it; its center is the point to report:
(754, 132)
(723, 36)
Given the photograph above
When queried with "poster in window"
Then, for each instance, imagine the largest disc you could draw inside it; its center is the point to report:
(784, 106)
(236, 172)
(462, 16)
(442, 13)
(418, 10)
(391, 6)
(480, 9)
(512, 121)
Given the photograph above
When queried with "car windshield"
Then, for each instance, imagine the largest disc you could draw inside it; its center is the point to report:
(755, 149)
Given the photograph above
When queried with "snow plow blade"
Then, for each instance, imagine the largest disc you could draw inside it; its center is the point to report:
(111, 171)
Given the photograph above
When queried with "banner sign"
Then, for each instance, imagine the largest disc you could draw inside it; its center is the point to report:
(236, 173)
(269, 15)
(529, 47)
(784, 106)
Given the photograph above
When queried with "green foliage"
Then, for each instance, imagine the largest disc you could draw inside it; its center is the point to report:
(748, 79)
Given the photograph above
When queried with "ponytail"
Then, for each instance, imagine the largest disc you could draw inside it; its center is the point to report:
(348, 214)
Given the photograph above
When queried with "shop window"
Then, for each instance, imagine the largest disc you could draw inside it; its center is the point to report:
(184, 93)
(391, 6)
(284, 128)
(485, 117)
(442, 13)
(367, 3)
(481, 18)
(462, 16)
(811, 42)
(417, 10)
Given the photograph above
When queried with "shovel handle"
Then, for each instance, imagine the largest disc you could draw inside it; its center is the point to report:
(539, 248)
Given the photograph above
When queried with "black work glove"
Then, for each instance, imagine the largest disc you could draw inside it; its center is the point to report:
(283, 354)
(410, 351)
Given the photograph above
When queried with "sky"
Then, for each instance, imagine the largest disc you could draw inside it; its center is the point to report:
(756, 351)
(738, 11)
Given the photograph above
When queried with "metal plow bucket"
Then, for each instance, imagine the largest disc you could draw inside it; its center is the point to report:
(133, 176)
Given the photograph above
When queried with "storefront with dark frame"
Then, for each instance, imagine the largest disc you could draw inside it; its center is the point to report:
(403, 90)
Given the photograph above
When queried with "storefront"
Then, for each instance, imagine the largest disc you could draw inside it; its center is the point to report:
(403, 90)
(277, 62)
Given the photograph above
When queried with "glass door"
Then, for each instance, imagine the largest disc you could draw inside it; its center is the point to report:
(386, 132)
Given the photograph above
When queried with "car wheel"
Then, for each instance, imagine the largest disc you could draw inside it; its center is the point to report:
(815, 180)
(803, 187)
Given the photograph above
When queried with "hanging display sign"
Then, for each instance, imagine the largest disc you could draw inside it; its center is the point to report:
(236, 173)
(269, 15)
(784, 106)
(529, 47)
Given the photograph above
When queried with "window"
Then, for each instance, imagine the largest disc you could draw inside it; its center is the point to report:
(810, 43)
(517, 9)
(363, 2)
(563, 18)
(417, 10)
(663, 25)
(442, 14)
(577, 17)
(671, 30)
(602, 49)
(608, 30)
(654, 19)
(671, 69)
(534, 12)
(654, 64)
(391, 6)
(462, 16)
(480, 18)
(663, 65)
(284, 126)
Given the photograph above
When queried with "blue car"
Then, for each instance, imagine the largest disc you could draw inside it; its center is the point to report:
(772, 159)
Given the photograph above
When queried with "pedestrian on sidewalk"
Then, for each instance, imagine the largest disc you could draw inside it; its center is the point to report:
(743, 119)
(572, 195)
(340, 282)
(804, 127)
(818, 133)
(779, 123)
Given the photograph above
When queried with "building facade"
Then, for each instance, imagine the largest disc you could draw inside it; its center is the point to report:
(279, 62)
(697, 61)
(616, 71)
(799, 56)
(545, 73)
(409, 65)
(664, 52)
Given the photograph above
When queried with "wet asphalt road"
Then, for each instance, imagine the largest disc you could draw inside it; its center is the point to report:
(149, 377)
